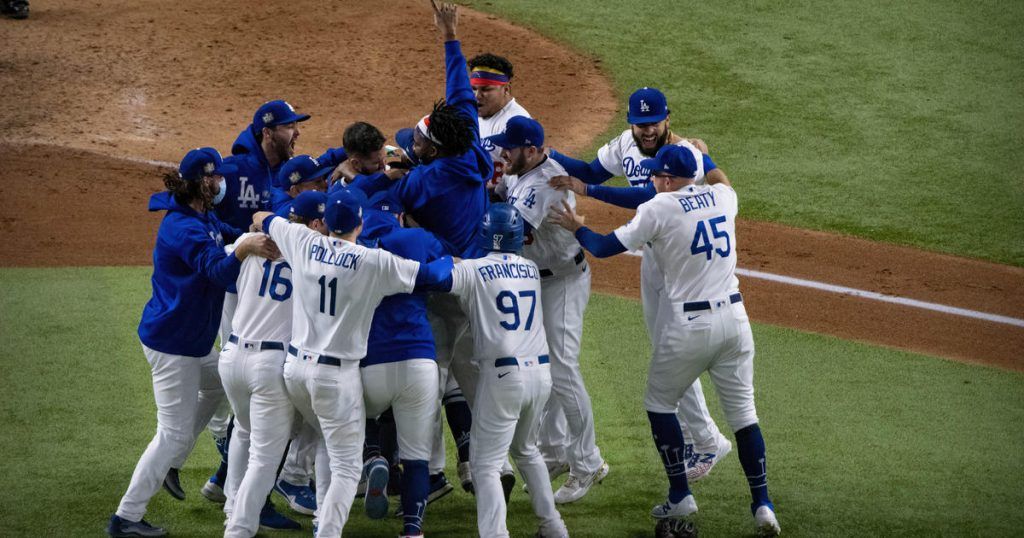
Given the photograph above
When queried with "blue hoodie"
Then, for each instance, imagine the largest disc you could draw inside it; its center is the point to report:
(248, 189)
(399, 330)
(190, 274)
(448, 195)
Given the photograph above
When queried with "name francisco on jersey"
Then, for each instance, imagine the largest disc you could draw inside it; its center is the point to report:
(508, 270)
(346, 260)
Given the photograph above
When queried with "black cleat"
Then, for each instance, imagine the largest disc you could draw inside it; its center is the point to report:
(15, 9)
(173, 485)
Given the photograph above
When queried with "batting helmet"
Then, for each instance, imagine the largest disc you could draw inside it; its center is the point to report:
(501, 229)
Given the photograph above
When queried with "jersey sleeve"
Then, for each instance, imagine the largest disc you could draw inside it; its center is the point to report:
(230, 249)
(641, 229)
(289, 236)
(610, 156)
(462, 279)
(398, 275)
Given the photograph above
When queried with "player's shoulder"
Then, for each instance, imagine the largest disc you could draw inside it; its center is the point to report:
(624, 140)
(514, 109)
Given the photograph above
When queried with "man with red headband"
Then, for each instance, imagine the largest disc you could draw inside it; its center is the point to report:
(490, 76)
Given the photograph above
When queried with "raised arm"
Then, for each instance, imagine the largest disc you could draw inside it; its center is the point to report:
(601, 246)
(592, 173)
(458, 92)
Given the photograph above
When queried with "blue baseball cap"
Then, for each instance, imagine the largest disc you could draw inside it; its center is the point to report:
(672, 159)
(277, 112)
(201, 162)
(344, 211)
(520, 132)
(404, 139)
(647, 105)
(309, 205)
(385, 201)
(300, 169)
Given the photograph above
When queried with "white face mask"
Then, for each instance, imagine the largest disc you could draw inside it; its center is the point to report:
(220, 193)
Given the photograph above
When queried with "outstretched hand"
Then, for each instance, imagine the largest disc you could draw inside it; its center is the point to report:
(257, 245)
(568, 183)
(566, 217)
(446, 18)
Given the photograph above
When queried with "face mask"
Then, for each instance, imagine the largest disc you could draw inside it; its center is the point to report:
(220, 194)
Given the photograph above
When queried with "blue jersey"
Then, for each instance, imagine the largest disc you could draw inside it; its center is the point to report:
(190, 273)
(399, 330)
(248, 190)
(280, 202)
(448, 195)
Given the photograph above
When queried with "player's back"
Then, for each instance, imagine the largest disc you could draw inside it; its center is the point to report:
(552, 247)
(501, 295)
(338, 284)
(695, 241)
(264, 310)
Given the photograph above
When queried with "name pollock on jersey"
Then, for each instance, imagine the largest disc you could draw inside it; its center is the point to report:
(345, 260)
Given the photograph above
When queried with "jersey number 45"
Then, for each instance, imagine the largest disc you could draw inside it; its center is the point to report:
(703, 245)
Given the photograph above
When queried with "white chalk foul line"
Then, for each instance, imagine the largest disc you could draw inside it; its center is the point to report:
(880, 297)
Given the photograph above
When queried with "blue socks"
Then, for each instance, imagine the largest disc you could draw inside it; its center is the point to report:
(668, 439)
(752, 458)
(415, 488)
(460, 419)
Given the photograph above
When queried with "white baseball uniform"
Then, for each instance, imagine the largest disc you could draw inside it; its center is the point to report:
(621, 156)
(500, 292)
(338, 285)
(251, 369)
(496, 125)
(693, 231)
(566, 286)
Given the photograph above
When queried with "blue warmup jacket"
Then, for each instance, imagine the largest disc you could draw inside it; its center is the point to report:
(280, 202)
(447, 196)
(190, 273)
(249, 188)
(399, 329)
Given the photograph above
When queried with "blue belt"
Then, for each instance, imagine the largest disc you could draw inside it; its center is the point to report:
(264, 345)
(577, 259)
(706, 305)
(511, 361)
(324, 359)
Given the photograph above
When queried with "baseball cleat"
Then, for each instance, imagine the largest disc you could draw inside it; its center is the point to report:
(556, 469)
(302, 499)
(700, 463)
(439, 487)
(122, 528)
(575, 487)
(508, 483)
(675, 528)
(377, 473)
(466, 477)
(213, 492)
(681, 509)
(764, 519)
(173, 485)
(272, 520)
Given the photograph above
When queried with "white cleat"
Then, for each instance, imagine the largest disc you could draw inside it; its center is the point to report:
(466, 477)
(764, 519)
(575, 488)
(702, 463)
(670, 510)
(213, 492)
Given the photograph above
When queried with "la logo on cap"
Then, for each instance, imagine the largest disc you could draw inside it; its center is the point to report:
(295, 176)
(644, 107)
(268, 117)
(208, 168)
(320, 207)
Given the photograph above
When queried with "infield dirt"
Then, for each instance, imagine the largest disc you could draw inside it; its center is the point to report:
(87, 85)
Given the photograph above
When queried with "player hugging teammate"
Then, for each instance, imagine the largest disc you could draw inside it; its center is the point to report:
(359, 292)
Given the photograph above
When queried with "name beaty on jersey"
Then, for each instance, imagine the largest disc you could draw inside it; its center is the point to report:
(699, 201)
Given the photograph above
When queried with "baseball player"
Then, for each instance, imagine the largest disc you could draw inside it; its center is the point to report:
(251, 368)
(691, 228)
(400, 368)
(502, 293)
(338, 284)
(565, 281)
(490, 76)
(363, 153)
(300, 173)
(649, 131)
(190, 272)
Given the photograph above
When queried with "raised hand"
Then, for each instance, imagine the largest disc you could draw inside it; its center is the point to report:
(565, 217)
(568, 183)
(446, 18)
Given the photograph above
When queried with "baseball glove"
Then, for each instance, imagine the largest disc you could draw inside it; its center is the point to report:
(675, 528)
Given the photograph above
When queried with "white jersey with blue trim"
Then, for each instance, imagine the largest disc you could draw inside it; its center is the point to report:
(691, 234)
(338, 285)
(621, 157)
(549, 245)
(496, 125)
(500, 294)
(264, 310)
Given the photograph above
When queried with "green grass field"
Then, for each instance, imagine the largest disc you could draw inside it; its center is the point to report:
(899, 122)
(861, 440)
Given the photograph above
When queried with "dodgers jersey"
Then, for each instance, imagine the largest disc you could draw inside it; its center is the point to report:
(549, 245)
(691, 233)
(264, 310)
(500, 294)
(496, 125)
(621, 157)
(338, 285)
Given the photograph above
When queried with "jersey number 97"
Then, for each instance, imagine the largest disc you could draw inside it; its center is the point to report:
(508, 304)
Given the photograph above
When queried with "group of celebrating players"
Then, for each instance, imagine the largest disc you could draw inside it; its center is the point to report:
(365, 289)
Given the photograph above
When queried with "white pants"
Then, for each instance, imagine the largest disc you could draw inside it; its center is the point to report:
(453, 339)
(180, 415)
(254, 383)
(718, 341)
(332, 398)
(409, 387)
(564, 301)
(298, 463)
(698, 426)
(218, 424)
(506, 420)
